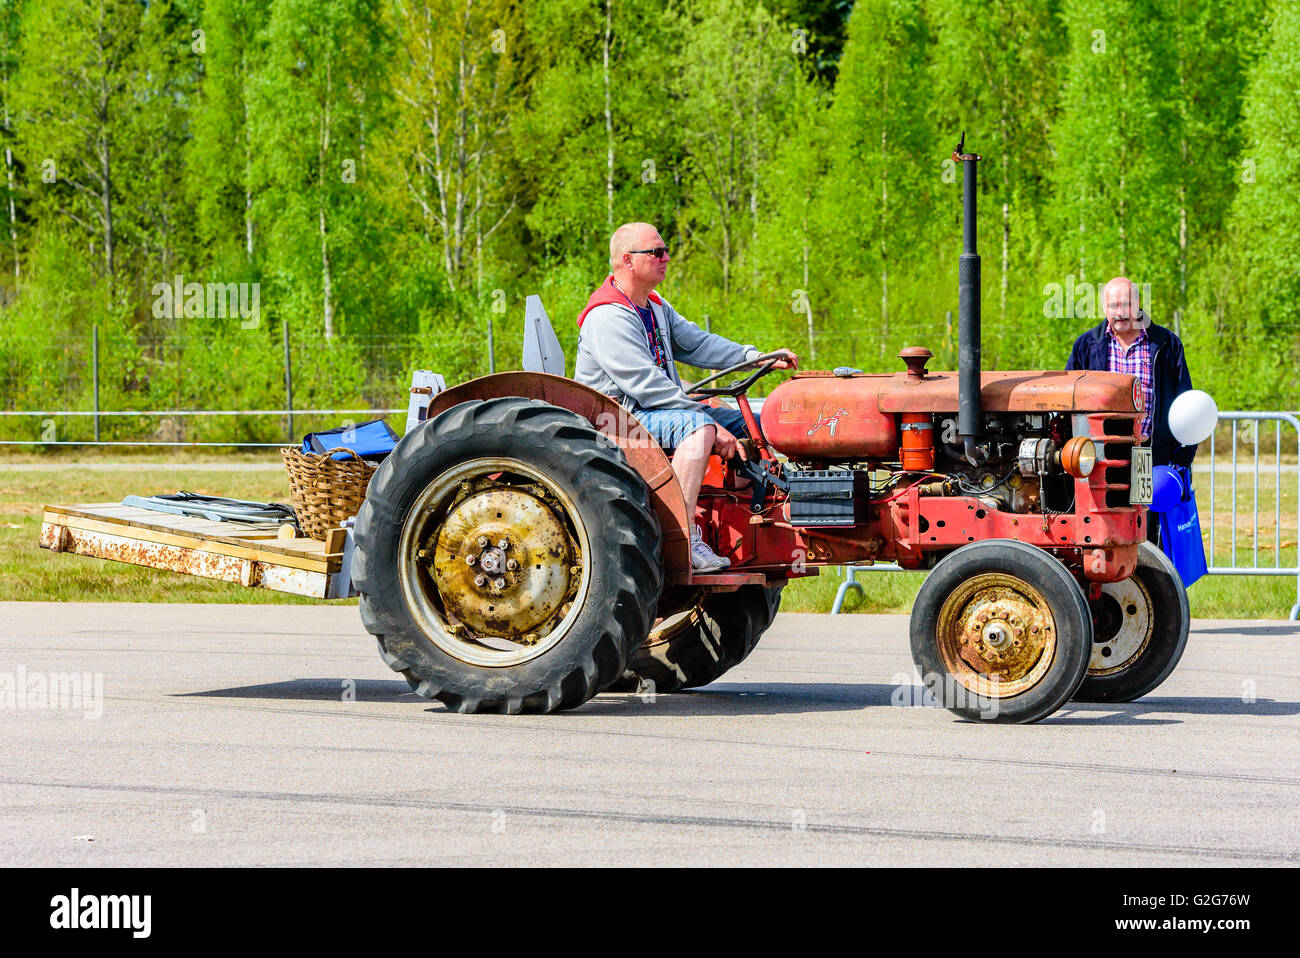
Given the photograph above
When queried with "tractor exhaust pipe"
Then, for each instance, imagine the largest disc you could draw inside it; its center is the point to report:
(969, 426)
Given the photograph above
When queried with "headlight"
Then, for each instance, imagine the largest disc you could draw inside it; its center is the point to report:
(1079, 456)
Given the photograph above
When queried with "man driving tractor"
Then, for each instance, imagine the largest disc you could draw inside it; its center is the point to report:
(630, 339)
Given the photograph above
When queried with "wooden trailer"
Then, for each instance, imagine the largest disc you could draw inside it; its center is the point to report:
(249, 554)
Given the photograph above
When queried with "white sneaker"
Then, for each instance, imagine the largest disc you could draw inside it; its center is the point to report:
(704, 559)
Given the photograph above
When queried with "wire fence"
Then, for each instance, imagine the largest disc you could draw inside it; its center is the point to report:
(268, 389)
(252, 388)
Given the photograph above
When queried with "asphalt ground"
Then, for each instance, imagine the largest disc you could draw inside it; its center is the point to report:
(274, 735)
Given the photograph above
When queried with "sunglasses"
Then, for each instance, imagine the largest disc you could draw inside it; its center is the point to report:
(659, 252)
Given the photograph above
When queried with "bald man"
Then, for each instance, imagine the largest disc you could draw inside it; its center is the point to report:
(631, 337)
(1128, 342)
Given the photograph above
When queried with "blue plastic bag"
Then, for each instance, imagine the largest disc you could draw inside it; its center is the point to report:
(371, 440)
(1180, 533)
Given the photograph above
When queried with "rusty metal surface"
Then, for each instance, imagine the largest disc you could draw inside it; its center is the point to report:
(821, 416)
(474, 509)
(1013, 392)
(718, 581)
(503, 564)
(308, 555)
(171, 558)
(1124, 622)
(830, 418)
(642, 452)
(1000, 391)
(996, 635)
(262, 536)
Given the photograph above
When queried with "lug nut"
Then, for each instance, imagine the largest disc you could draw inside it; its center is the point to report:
(471, 559)
(512, 565)
(482, 542)
(480, 580)
(503, 544)
(499, 584)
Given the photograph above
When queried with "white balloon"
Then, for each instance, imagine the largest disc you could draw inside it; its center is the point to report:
(1193, 416)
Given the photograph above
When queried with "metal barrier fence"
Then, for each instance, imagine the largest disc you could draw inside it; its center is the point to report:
(1208, 508)
(1254, 439)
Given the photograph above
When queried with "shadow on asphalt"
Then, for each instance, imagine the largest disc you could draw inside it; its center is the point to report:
(320, 690)
(1287, 629)
(1142, 711)
(773, 698)
(770, 698)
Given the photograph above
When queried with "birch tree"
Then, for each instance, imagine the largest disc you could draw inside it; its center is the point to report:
(883, 171)
(73, 90)
(220, 153)
(735, 62)
(453, 88)
(319, 75)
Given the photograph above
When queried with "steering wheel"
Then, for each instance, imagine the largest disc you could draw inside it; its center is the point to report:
(766, 363)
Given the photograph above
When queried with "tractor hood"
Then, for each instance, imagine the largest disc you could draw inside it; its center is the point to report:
(823, 416)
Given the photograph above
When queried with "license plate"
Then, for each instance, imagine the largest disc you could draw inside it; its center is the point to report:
(1140, 488)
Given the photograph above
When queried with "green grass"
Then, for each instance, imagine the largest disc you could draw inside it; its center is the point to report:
(28, 572)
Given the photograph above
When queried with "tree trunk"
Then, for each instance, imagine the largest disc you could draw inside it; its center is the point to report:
(726, 260)
(753, 172)
(812, 347)
(107, 168)
(327, 279)
(884, 218)
(1006, 210)
(105, 162)
(9, 172)
(1123, 166)
(248, 163)
(609, 119)
(478, 233)
(327, 285)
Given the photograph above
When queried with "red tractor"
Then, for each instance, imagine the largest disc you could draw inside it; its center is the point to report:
(526, 547)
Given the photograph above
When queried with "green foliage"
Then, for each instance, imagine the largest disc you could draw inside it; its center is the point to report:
(1266, 217)
(397, 175)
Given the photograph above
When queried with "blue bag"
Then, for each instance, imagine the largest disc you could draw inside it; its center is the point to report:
(1180, 533)
(372, 440)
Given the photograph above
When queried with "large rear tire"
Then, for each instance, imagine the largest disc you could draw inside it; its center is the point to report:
(696, 646)
(507, 558)
(1140, 629)
(1001, 632)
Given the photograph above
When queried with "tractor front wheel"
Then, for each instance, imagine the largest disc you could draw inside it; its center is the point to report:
(1001, 632)
(1140, 629)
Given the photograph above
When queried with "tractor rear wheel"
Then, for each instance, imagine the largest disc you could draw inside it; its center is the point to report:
(714, 633)
(507, 558)
(1001, 632)
(1140, 629)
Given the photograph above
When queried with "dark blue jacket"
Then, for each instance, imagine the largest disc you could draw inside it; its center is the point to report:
(1169, 378)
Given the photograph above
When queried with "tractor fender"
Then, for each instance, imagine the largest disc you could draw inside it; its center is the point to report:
(609, 418)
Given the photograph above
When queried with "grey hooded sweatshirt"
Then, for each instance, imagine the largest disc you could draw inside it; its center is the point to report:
(614, 357)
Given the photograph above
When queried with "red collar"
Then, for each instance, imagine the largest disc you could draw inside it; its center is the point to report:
(608, 293)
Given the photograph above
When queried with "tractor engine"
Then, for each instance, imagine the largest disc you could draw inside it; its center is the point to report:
(1055, 448)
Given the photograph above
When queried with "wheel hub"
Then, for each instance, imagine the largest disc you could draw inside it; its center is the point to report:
(996, 634)
(1122, 626)
(504, 564)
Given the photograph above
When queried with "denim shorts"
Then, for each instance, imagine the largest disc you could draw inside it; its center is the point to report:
(670, 427)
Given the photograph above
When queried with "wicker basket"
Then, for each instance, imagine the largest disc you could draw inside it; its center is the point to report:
(325, 490)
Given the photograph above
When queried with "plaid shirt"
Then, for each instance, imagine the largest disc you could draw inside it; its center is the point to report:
(1135, 361)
